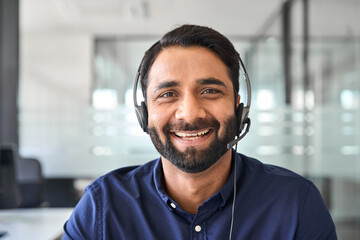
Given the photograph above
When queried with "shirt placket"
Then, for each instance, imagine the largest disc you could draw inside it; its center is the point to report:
(198, 230)
(197, 222)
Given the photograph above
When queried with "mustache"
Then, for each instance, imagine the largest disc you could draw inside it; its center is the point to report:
(198, 124)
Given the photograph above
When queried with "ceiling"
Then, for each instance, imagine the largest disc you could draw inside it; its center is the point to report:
(134, 17)
(241, 17)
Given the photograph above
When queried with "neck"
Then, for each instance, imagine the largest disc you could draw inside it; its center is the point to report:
(191, 190)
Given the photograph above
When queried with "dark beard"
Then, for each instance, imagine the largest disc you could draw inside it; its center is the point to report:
(193, 160)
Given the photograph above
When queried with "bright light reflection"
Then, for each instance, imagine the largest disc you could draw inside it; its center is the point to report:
(104, 151)
(268, 150)
(350, 150)
(297, 150)
(350, 99)
(104, 99)
(298, 117)
(265, 99)
(135, 131)
(267, 117)
(309, 99)
(266, 131)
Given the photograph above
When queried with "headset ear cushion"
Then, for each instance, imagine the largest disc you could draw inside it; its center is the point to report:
(145, 116)
(239, 117)
(142, 116)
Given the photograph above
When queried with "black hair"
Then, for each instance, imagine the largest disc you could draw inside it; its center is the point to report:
(194, 35)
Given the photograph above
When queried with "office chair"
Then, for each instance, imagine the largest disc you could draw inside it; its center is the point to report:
(31, 182)
(10, 196)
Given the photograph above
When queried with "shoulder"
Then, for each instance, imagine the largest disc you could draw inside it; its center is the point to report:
(126, 176)
(108, 194)
(255, 166)
(273, 177)
(286, 195)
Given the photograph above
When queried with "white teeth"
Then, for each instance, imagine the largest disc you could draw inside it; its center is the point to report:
(192, 136)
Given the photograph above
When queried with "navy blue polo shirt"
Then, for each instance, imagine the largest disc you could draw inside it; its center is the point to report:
(271, 203)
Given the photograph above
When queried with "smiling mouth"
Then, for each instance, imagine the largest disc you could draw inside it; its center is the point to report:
(193, 135)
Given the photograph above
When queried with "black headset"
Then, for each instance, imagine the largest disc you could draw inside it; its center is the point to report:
(242, 112)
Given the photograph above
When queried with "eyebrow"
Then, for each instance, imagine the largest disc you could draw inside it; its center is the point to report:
(210, 81)
(202, 81)
(166, 85)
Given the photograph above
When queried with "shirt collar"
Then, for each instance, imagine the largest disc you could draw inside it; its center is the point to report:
(158, 176)
(225, 192)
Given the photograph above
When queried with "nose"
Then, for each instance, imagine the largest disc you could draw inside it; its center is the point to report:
(190, 109)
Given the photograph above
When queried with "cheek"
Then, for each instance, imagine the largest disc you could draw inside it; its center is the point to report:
(223, 115)
(223, 111)
(157, 119)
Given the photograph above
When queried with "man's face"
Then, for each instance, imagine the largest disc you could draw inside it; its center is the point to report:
(190, 101)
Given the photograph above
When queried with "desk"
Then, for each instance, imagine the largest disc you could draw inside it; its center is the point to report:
(31, 224)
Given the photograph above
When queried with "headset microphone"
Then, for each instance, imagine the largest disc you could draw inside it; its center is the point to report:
(236, 140)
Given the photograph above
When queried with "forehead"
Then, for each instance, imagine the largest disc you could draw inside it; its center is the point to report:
(178, 63)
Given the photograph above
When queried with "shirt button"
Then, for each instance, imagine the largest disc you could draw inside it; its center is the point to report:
(197, 228)
(173, 205)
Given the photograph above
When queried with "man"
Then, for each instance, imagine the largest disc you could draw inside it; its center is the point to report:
(198, 188)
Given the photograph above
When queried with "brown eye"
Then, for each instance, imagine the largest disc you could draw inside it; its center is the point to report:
(211, 91)
(167, 95)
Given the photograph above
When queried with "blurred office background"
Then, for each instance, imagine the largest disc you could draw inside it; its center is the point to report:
(67, 70)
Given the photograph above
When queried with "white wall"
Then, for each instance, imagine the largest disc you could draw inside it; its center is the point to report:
(55, 70)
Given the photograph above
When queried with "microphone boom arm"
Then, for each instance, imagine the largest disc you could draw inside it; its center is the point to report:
(233, 142)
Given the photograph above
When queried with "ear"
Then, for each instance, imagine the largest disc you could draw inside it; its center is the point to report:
(237, 101)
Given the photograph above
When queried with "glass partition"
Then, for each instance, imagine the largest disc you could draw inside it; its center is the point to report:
(317, 132)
